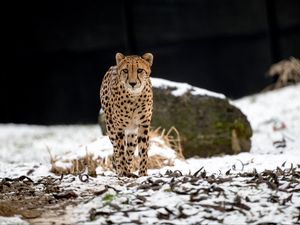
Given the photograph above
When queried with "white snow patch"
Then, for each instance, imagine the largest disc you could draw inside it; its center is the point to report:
(275, 119)
(182, 88)
(16, 220)
(31, 144)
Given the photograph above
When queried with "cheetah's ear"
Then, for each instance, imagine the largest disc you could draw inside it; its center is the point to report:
(148, 57)
(119, 57)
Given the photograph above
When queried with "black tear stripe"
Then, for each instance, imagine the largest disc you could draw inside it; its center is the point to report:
(132, 66)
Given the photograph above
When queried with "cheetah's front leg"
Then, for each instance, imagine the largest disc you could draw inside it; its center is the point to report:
(119, 154)
(131, 146)
(143, 144)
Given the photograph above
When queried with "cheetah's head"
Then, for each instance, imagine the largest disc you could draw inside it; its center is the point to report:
(134, 71)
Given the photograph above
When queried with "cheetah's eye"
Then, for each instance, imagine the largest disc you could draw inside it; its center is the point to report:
(140, 70)
(125, 70)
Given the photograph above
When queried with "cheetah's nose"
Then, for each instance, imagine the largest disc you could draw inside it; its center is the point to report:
(132, 83)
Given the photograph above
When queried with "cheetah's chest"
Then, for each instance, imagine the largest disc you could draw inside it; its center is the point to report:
(130, 111)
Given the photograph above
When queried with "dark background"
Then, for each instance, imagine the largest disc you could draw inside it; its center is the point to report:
(57, 52)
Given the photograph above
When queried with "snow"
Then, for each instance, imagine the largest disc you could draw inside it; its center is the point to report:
(102, 148)
(12, 220)
(31, 143)
(275, 119)
(158, 147)
(274, 116)
(182, 88)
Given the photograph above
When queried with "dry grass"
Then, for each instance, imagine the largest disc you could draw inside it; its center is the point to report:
(285, 72)
(85, 164)
(235, 144)
(171, 139)
(88, 163)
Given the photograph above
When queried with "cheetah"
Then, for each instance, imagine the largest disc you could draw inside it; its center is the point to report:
(127, 101)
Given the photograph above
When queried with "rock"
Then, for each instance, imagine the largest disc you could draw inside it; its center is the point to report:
(208, 124)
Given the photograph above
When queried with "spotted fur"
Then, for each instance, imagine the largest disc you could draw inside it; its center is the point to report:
(127, 99)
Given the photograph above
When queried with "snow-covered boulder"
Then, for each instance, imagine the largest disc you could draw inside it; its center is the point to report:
(208, 124)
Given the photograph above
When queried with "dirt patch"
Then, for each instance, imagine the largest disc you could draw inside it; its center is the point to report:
(33, 199)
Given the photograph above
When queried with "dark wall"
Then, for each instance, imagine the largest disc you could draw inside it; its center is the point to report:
(57, 52)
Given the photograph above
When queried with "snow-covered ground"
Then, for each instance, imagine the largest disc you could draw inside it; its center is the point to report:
(275, 119)
(181, 88)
